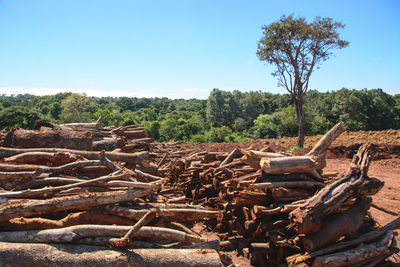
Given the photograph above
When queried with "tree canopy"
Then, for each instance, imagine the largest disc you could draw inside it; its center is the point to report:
(296, 48)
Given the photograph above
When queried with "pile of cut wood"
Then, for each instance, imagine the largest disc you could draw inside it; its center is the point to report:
(115, 197)
(279, 209)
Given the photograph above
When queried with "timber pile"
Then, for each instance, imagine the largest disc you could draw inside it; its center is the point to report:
(279, 209)
(80, 136)
(139, 203)
(79, 207)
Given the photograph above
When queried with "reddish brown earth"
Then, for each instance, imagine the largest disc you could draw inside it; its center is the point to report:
(385, 163)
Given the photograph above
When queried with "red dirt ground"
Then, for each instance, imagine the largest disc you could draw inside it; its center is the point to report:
(385, 163)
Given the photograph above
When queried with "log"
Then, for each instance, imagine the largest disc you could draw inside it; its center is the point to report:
(301, 184)
(84, 125)
(20, 138)
(135, 134)
(310, 163)
(76, 232)
(108, 144)
(346, 224)
(126, 239)
(234, 154)
(132, 158)
(96, 216)
(357, 256)
(308, 217)
(368, 237)
(176, 214)
(27, 254)
(45, 123)
(49, 191)
(253, 157)
(43, 158)
(25, 208)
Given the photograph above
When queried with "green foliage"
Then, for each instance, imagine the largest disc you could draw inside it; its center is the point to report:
(74, 107)
(256, 114)
(296, 47)
(14, 116)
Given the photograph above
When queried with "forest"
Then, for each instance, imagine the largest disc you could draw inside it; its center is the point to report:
(224, 116)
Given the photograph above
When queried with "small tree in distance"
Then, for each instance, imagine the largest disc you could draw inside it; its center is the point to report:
(296, 48)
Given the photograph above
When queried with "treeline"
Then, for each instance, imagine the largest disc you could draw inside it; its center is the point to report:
(225, 116)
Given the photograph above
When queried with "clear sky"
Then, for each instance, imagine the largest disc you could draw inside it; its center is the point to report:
(183, 49)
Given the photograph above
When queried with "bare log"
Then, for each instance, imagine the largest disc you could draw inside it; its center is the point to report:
(313, 161)
(25, 254)
(25, 208)
(21, 138)
(84, 125)
(253, 157)
(132, 158)
(301, 184)
(176, 214)
(49, 191)
(43, 158)
(134, 134)
(347, 224)
(308, 217)
(359, 255)
(368, 237)
(76, 232)
(85, 217)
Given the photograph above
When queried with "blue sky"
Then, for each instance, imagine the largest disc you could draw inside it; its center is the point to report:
(183, 49)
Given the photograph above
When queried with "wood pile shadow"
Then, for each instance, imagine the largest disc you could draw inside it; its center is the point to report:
(79, 194)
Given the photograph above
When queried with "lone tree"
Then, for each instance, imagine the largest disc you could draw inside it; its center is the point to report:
(297, 48)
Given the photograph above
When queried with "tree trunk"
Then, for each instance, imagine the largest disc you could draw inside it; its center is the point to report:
(21, 138)
(298, 105)
(23, 254)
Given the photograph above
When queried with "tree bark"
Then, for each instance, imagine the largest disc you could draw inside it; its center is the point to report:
(347, 224)
(132, 158)
(21, 138)
(308, 217)
(34, 255)
(298, 105)
(76, 232)
(357, 256)
(25, 208)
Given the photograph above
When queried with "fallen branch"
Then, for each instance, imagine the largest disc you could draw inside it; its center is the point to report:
(126, 239)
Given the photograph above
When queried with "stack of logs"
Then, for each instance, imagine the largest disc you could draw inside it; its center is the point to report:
(136, 202)
(279, 209)
(64, 206)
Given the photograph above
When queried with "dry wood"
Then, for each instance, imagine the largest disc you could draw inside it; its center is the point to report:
(356, 183)
(234, 154)
(358, 255)
(76, 232)
(126, 239)
(26, 254)
(346, 223)
(25, 208)
(43, 158)
(96, 216)
(49, 191)
(84, 125)
(313, 161)
(134, 134)
(253, 157)
(176, 214)
(298, 258)
(132, 158)
(18, 168)
(108, 144)
(52, 138)
(301, 184)
(145, 177)
(48, 181)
